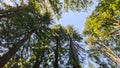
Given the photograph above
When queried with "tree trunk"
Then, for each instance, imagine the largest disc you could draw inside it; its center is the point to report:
(110, 53)
(118, 63)
(12, 51)
(37, 63)
(56, 54)
(74, 55)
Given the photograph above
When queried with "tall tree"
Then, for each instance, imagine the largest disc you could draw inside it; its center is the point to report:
(16, 31)
(102, 28)
(20, 20)
(74, 37)
(59, 38)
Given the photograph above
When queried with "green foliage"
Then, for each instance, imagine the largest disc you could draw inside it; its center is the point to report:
(56, 8)
(102, 27)
(73, 33)
(26, 34)
(62, 35)
(102, 20)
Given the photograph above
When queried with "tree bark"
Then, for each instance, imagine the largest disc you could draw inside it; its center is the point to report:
(6, 57)
(56, 54)
(37, 63)
(110, 53)
(74, 55)
(12, 51)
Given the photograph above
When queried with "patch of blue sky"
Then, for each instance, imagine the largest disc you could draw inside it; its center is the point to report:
(77, 19)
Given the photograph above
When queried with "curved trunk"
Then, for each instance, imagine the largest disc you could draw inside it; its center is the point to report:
(6, 57)
(110, 53)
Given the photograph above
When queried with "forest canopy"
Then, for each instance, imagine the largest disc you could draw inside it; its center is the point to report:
(102, 29)
(29, 37)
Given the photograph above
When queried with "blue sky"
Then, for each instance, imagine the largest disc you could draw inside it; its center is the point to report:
(77, 19)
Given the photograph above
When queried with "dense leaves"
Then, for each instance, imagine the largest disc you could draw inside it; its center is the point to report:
(55, 7)
(26, 35)
(103, 30)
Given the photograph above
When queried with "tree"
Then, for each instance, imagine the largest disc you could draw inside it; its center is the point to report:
(59, 37)
(74, 38)
(18, 22)
(21, 30)
(40, 48)
(33, 52)
(66, 41)
(102, 28)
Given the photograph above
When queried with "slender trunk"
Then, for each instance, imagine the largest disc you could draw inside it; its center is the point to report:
(6, 57)
(74, 55)
(71, 49)
(56, 54)
(115, 58)
(110, 53)
(37, 63)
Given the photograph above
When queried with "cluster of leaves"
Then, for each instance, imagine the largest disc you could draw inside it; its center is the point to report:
(56, 8)
(102, 29)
